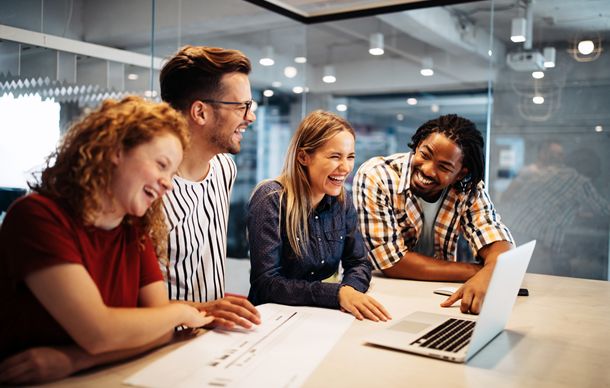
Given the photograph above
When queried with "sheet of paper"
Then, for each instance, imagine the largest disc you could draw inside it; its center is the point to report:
(281, 352)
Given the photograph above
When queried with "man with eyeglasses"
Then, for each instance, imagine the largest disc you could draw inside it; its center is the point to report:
(210, 87)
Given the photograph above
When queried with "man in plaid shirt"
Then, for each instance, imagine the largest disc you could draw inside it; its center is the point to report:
(413, 206)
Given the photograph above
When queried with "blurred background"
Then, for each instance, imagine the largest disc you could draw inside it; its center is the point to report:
(533, 75)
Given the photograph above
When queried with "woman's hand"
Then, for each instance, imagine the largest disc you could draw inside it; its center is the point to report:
(361, 305)
(191, 317)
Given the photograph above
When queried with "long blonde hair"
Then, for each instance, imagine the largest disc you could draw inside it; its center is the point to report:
(79, 172)
(314, 131)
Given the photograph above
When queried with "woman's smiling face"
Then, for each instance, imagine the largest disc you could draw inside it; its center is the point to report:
(436, 164)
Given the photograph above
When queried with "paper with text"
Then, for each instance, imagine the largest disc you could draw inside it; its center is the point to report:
(281, 352)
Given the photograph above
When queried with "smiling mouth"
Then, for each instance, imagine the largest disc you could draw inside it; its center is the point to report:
(337, 179)
(423, 179)
(152, 194)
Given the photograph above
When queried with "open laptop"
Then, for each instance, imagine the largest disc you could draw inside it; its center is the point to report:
(459, 338)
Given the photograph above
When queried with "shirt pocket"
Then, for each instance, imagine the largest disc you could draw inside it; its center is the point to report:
(336, 241)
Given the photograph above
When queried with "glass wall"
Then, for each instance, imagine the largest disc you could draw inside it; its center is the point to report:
(546, 127)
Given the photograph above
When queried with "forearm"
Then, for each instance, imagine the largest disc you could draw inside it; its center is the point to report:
(296, 292)
(490, 252)
(82, 360)
(137, 327)
(419, 267)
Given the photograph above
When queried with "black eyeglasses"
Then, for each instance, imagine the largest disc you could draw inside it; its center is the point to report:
(245, 104)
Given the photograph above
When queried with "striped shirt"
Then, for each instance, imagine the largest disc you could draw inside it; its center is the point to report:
(197, 215)
(391, 220)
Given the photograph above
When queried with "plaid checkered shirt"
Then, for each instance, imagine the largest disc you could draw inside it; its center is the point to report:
(391, 220)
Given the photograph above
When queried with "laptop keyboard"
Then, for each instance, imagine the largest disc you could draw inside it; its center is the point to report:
(452, 335)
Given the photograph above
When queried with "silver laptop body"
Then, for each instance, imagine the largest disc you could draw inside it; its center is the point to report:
(458, 338)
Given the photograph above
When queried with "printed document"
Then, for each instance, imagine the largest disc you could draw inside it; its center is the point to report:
(280, 352)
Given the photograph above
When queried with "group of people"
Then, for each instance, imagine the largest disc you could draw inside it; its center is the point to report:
(123, 237)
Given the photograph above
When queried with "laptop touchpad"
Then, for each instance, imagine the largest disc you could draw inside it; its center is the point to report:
(410, 326)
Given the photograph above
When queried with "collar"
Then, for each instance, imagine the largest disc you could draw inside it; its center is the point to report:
(405, 174)
(325, 204)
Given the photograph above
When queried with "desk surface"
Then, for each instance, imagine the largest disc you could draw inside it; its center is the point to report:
(559, 336)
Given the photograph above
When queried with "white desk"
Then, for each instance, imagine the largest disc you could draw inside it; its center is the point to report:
(559, 336)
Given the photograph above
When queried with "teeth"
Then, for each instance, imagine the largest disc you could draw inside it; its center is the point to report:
(338, 179)
(242, 130)
(423, 179)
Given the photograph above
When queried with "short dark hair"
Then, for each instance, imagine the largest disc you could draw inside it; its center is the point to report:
(466, 135)
(195, 72)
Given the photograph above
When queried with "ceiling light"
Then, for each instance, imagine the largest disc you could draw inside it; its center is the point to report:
(132, 76)
(297, 89)
(341, 107)
(518, 28)
(254, 106)
(538, 100)
(267, 59)
(376, 44)
(412, 101)
(426, 67)
(586, 47)
(290, 72)
(549, 57)
(434, 108)
(300, 59)
(276, 84)
(538, 74)
(329, 74)
(598, 128)
(268, 93)
(400, 117)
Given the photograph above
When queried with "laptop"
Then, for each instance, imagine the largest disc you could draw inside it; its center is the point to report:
(454, 338)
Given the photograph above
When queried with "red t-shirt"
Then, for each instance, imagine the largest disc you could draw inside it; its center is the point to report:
(38, 232)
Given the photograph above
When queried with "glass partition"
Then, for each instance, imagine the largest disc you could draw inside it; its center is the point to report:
(539, 102)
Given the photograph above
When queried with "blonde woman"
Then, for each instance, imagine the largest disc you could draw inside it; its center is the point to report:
(303, 224)
(81, 283)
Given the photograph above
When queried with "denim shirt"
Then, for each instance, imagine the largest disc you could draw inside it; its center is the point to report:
(278, 275)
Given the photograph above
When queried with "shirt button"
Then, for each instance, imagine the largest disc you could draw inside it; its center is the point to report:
(319, 239)
(311, 272)
(340, 237)
(316, 217)
(322, 261)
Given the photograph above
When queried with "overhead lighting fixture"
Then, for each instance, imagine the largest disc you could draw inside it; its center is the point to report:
(290, 72)
(297, 90)
(300, 59)
(426, 67)
(518, 30)
(132, 76)
(400, 117)
(538, 100)
(434, 108)
(376, 44)
(549, 57)
(538, 74)
(276, 84)
(329, 75)
(268, 93)
(598, 128)
(586, 47)
(412, 101)
(341, 107)
(267, 59)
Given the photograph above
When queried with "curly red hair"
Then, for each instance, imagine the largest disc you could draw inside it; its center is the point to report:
(79, 172)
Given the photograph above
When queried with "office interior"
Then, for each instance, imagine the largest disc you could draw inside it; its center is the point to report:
(532, 74)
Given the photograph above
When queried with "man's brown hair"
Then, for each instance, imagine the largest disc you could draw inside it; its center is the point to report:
(195, 73)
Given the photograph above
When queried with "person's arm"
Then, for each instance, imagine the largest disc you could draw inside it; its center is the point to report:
(472, 293)
(486, 233)
(266, 246)
(69, 294)
(44, 364)
(357, 273)
(384, 237)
